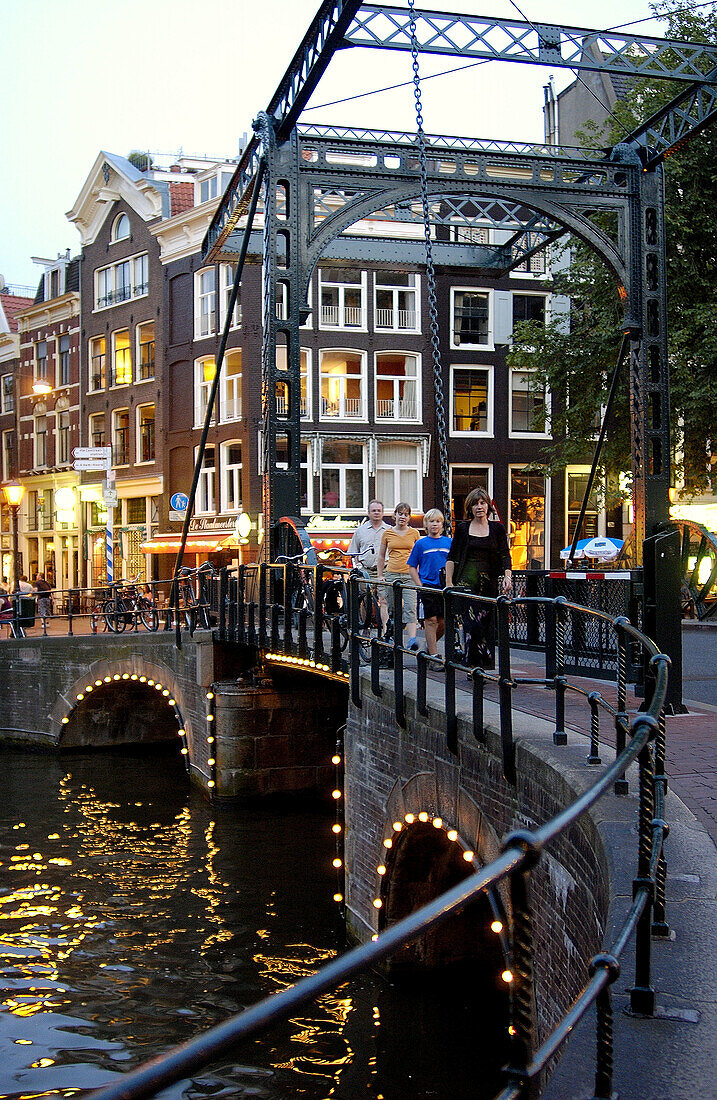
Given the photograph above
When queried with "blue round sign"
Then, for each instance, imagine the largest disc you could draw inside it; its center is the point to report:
(179, 502)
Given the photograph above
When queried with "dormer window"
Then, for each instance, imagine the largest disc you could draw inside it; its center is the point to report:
(212, 185)
(120, 229)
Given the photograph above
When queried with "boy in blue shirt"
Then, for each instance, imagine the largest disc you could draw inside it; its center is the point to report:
(425, 562)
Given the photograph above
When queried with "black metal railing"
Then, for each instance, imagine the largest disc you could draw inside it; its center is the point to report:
(259, 605)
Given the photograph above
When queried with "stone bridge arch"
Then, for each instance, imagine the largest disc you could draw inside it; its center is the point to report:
(122, 699)
(432, 839)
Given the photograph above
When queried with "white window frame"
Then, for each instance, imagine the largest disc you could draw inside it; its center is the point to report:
(391, 499)
(138, 352)
(235, 470)
(469, 466)
(106, 281)
(305, 353)
(96, 340)
(341, 414)
(490, 400)
(8, 393)
(91, 431)
(62, 415)
(41, 374)
(340, 324)
(128, 373)
(230, 408)
(39, 459)
(601, 513)
(341, 506)
(519, 468)
(395, 312)
(64, 336)
(520, 434)
(207, 484)
(205, 320)
(202, 389)
(7, 452)
(226, 284)
(138, 434)
(398, 413)
(463, 345)
(116, 429)
(115, 233)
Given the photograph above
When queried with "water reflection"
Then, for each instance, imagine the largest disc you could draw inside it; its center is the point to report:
(133, 916)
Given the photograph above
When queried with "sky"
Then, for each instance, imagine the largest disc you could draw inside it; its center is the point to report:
(190, 75)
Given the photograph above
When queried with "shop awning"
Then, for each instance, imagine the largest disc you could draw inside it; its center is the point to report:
(199, 543)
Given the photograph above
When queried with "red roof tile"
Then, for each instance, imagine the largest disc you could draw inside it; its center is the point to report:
(12, 305)
(182, 196)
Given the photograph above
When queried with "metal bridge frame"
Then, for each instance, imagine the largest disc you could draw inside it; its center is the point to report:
(318, 181)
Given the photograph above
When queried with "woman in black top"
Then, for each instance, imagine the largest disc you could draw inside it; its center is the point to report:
(479, 560)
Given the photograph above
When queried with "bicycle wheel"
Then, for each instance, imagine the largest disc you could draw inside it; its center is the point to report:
(115, 616)
(302, 600)
(148, 614)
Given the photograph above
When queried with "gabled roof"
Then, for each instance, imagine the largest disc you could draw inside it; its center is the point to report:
(113, 178)
(10, 305)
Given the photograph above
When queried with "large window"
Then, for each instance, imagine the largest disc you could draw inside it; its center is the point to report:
(207, 478)
(528, 404)
(205, 297)
(471, 400)
(342, 385)
(63, 362)
(8, 393)
(398, 475)
(231, 493)
(63, 439)
(120, 437)
(342, 294)
(122, 281)
(96, 430)
(145, 433)
(41, 361)
(343, 476)
(121, 358)
(121, 228)
(40, 434)
(98, 363)
(576, 482)
(397, 380)
(231, 382)
(204, 372)
(463, 480)
(471, 316)
(528, 307)
(527, 519)
(8, 450)
(282, 388)
(396, 301)
(145, 351)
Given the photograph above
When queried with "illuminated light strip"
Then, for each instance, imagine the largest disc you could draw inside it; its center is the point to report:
(211, 740)
(305, 663)
(338, 827)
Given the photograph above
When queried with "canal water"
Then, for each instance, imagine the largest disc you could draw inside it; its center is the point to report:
(133, 915)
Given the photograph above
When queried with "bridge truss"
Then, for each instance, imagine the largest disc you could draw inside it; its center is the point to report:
(317, 181)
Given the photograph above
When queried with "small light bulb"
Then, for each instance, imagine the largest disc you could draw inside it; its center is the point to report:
(89, 687)
(210, 740)
(134, 676)
(336, 793)
(108, 679)
(80, 696)
(151, 683)
(210, 695)
(438, 823)
(452, 834)
(336, 759)
(211, 783)
(181, 732)
(210, 718)
(336, 829)
(397, 825)
(211, 761)
(165, 692)
(381, 869)
(143, 679)
(338, 897)
(116, 676)
(184, 751)
(337, 862)
(423, 816)
(388, 843)
(468, 856)
(507, 976)
(172, 702)
(511, 1030)
(377, 903)
(98, 683)
(125, 675)
(374, 937)
(496, 926)
(410, 818)
(65, 721)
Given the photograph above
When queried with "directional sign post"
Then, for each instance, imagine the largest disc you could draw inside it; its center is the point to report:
(100, 458)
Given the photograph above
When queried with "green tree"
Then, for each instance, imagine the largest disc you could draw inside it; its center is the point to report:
(577, 366)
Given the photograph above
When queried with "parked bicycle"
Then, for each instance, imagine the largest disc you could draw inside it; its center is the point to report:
(125, 606)
(193, 607)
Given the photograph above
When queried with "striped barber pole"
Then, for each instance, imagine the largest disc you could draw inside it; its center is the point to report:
(109, 544)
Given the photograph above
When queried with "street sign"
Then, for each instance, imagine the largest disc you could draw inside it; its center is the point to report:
(110, 497)
(179, 502)
(176, 517)
(98, 453)
(89, 464)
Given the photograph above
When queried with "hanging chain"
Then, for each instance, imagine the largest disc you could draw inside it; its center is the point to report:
(431, 282)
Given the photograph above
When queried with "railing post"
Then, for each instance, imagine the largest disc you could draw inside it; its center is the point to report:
(354, 663)
(522, 999)
(223, 598)
(262, 605)
(604, 1061)
(318, 613)
(622, 785)
(450, 670)
(642, 994)
(478, 691)
(69, 613)
(505, 688)
(560, 682)
(288, 588)
(399, 698)
(594, 701)
(660, 927)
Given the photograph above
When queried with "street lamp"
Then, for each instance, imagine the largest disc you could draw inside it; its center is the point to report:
(13, 493)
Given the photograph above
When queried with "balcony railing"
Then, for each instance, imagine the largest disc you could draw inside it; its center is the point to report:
(402, 319)
(282, 406)
(348, 407)
(348, 317)
(146, 361)
(120, 447)
(391, 409)
(146, 442)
